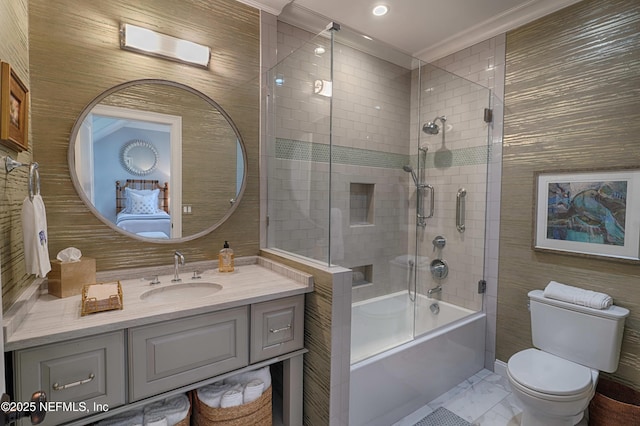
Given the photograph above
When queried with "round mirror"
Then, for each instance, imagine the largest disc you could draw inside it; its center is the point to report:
(139, 157)
(158, 161)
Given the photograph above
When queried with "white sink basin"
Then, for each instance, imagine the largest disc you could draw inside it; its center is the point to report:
(181, 291)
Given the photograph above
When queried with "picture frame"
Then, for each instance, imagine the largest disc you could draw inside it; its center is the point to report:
(585, 213)
(14, 110)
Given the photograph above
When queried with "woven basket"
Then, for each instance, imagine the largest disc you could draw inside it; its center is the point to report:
(614, 404)
(187, 420)
(255, 413)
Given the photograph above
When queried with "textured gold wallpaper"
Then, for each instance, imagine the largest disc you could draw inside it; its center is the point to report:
(572, 101)
(75, 56)
(14, 49)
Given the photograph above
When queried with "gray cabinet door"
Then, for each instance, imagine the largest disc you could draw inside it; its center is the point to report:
(85, 376)
(277, 327)
(175, 353)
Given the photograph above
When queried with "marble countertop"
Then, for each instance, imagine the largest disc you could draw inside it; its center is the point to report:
(40, 318)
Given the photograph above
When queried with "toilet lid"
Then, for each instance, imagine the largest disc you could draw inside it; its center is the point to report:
(546, 373)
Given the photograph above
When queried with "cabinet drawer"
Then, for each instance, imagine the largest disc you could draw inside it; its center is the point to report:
(87, 374)
(180, 352)
(277, 327)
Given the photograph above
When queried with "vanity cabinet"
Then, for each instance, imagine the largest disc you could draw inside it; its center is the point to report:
(85, 374)
(175, 353)
(118, 369)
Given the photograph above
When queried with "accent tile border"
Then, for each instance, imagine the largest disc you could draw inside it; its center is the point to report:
(290, 149)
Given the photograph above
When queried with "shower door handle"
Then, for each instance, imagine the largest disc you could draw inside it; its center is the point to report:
(422, 189)
(460, 207)
(431, 201)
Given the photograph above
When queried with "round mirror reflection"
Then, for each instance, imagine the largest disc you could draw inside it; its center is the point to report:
(157, 160)
(139, 157)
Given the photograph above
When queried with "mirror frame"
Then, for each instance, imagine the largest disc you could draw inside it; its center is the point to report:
(71, 160)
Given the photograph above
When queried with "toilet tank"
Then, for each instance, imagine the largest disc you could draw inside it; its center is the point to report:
(591, 337)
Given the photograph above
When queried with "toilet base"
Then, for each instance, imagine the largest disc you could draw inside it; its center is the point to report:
(538, 419)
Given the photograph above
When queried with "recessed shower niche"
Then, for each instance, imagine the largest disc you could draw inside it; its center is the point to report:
(361, 204)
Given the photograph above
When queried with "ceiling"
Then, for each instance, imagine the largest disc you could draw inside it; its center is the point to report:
(426, 29)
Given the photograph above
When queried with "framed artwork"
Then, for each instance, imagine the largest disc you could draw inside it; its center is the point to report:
(586, 213)
(14, 110)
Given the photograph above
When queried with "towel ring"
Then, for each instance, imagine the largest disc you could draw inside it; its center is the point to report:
(34, 175)
(33, 172)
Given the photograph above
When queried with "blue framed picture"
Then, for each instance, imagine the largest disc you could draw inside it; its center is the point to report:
(589, 213)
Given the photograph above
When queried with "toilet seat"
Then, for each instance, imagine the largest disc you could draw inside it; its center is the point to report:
(547, 376)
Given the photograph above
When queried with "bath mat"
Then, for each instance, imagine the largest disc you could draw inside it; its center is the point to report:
(443, 417)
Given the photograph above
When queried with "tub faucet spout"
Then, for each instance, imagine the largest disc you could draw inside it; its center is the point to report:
(178, 260)
(434, 290)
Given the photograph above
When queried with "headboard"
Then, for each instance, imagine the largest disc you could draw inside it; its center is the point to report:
(163, 197)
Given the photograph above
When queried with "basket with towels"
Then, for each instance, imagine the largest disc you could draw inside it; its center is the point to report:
(172, 411)
(239, 400)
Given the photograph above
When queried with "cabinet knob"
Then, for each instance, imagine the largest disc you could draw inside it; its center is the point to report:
(35, 409)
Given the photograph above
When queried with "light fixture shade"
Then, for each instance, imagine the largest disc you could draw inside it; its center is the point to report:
(149, 42)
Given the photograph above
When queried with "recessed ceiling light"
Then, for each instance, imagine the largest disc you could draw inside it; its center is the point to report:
(380, 10)
(319, 50)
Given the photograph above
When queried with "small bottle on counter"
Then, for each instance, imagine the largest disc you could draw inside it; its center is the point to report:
(225, 259)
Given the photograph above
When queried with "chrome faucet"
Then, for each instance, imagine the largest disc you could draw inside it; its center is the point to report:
(434, 290)
(178, 260)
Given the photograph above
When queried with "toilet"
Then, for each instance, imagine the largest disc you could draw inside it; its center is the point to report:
(555, 380)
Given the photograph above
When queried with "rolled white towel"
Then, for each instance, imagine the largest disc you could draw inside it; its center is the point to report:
(577, 296)
(128, 418)
(252, 391)
(210, 395)
(263, 374)
(173, 410)
(232, 398)
(156, 422)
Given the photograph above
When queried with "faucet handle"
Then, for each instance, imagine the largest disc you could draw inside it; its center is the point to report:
(154, 280)
(439, 242)
(196, 275)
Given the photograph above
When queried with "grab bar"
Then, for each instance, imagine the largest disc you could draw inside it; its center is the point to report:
(460, 207)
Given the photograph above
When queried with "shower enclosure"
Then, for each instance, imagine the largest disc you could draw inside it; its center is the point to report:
(377, 162)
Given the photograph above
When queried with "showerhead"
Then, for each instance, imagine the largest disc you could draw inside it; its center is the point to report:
(407, 168)
(431, 128)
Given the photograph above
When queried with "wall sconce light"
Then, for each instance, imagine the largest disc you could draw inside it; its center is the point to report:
(323, 88)
(149, 42)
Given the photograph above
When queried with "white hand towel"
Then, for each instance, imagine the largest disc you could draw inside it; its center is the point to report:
(252, 391)
(232, 398)
(210, 395)
(577, 296)
(129, 418)
(172, 410)
(35, 235)
(263, 374)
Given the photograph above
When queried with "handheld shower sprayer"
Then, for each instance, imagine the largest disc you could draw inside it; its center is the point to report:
(407, 168)
(431, 128)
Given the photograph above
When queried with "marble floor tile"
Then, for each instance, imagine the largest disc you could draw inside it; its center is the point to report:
(484, 399)
(477, 400)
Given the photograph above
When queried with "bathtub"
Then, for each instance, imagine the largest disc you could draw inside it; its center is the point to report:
(393, 374)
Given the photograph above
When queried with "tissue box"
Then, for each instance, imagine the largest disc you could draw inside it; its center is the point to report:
(66, 279)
